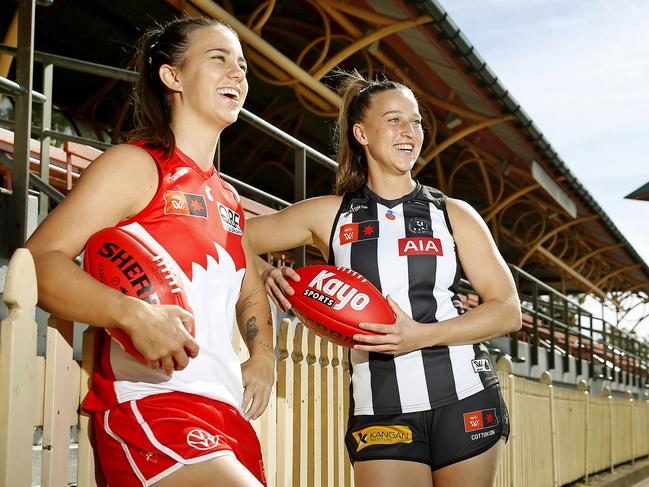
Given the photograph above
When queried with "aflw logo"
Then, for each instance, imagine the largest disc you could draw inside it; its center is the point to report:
(420, 246)
(340, 291)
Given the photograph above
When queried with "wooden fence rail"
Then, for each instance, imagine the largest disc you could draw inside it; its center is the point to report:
(558, 434)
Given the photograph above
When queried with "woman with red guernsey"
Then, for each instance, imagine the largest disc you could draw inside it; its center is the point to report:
(181, 418)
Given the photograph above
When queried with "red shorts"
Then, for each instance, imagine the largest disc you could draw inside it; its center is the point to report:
(141, 442)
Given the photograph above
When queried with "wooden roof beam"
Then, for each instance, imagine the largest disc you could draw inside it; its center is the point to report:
(571, 272)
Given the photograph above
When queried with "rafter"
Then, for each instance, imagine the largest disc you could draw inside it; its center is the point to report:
(571, 272)
(616, 272)
(510, 199)
(457, 137)
(552, 233)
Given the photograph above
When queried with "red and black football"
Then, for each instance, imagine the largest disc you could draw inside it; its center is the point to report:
(337, 299)
(120, 260)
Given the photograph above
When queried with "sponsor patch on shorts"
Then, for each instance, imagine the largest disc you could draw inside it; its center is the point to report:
(201, 439)
(382, 435)
(481, 365)
(479, 420)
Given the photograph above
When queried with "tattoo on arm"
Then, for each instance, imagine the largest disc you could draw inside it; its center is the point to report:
(251, 329)
(246, 305)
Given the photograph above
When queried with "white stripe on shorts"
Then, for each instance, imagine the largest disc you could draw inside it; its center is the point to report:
(125, 448)
(168, 451)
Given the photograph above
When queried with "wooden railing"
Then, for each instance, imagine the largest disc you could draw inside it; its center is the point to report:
(558, 435)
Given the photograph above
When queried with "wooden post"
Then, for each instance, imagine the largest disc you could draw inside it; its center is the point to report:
(88, 471)
(583, 387)
(18, 371)
(284, 407)
(58, 395)
(607, 392)
(629, 396)
(300, 433)
(546, 378)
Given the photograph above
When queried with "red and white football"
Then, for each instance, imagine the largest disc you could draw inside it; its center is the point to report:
(337, 299)
(120, 260)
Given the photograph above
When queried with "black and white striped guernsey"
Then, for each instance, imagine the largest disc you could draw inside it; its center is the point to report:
(406, 249)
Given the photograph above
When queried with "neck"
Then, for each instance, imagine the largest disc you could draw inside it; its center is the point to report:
(391, 186)
(197, 141)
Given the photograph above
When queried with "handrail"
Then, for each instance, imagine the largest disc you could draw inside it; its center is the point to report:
(12, 88)
(548, 288)
(76, 64)
(129, 75)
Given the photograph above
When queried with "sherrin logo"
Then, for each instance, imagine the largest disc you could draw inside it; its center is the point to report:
(336, 293)
(382, 435)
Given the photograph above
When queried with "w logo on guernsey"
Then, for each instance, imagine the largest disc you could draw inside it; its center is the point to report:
(179, 203)
(479, 420)
(353, 232)
(201, 439)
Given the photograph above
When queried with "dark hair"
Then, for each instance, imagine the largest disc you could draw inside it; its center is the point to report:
(356, 92)
(162, 44)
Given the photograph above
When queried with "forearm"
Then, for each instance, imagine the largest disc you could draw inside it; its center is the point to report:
(263, 266)
(491, 319)
(65, 290)
(255, 323)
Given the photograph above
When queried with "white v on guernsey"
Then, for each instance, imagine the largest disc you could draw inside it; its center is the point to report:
(195, 221)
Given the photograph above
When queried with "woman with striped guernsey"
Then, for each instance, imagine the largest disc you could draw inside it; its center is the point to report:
(426, 408)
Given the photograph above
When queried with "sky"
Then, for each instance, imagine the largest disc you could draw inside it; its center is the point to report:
(580, 70)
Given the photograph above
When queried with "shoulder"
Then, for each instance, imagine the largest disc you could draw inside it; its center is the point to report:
(125, 161)
(464, 219)
(460, 211)
(321, 203)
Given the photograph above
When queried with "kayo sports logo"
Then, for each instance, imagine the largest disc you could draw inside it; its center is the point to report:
(336, 293)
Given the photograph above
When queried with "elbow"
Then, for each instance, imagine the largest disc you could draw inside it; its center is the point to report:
(516, 316)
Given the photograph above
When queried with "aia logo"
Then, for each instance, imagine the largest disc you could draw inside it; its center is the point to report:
(479, 420)
(201, 439)
(230, 219)
(353, 232)
(420, 246)
(179, 203)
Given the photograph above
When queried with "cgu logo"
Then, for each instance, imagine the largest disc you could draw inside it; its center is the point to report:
(420, 246)
(339, 290)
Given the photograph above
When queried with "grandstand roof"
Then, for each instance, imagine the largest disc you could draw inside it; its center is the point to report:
(642, 193)
(481, 145)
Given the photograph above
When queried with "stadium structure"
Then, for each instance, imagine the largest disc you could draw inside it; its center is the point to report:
(576, 383)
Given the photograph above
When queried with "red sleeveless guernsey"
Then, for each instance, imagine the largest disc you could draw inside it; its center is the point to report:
(196, 222)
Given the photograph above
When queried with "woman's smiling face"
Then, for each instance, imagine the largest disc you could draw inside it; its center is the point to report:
(212, 77)
(391, 131)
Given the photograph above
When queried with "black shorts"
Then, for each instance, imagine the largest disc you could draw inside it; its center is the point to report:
(438, 437)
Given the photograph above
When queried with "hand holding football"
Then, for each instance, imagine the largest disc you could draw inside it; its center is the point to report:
(120, 260)
(335, 300)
